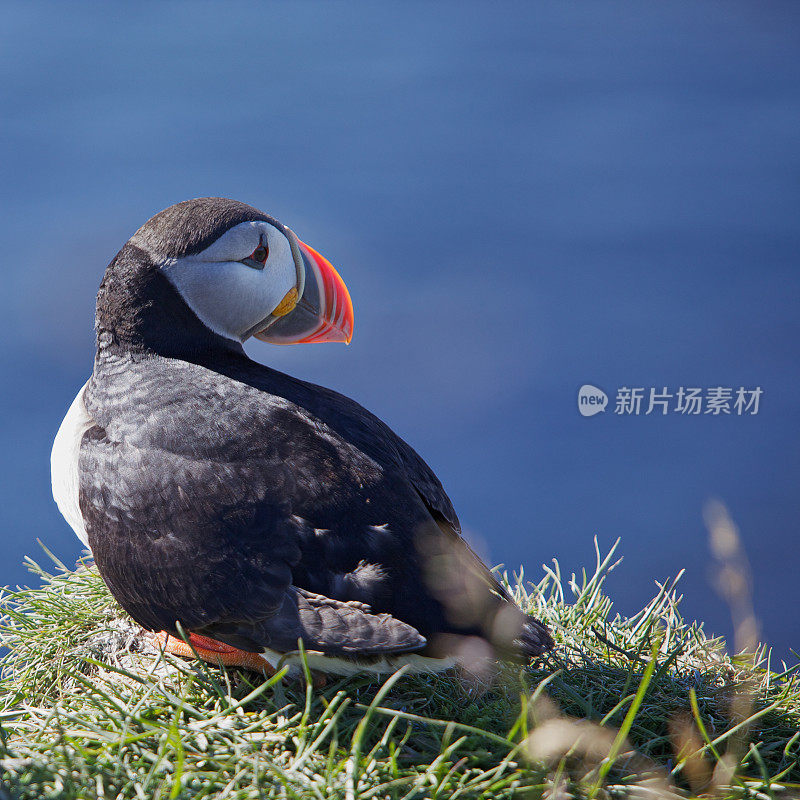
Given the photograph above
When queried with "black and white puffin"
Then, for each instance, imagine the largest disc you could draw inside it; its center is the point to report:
(252, 508)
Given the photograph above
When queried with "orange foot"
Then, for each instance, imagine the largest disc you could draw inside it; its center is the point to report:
(213, 652)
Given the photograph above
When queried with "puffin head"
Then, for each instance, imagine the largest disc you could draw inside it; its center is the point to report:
(242, 273)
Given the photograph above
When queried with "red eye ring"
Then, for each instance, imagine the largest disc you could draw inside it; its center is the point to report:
(260, 254)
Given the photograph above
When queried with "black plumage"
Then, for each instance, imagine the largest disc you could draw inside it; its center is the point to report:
(256, 508)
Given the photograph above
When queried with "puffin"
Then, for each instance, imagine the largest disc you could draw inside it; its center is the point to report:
(244, 516)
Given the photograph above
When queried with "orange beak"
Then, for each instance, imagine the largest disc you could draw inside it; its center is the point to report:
(323, 312)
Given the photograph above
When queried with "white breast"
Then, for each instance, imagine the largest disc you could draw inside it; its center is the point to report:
(382, 665)
(64, 464)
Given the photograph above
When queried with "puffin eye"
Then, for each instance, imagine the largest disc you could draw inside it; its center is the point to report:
(258, 258)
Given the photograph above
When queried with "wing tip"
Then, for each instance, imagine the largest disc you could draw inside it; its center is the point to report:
(349, 627)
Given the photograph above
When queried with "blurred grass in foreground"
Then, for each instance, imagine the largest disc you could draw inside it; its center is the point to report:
(640, 706)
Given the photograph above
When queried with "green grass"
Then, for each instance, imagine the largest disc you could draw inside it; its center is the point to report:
(645, 705)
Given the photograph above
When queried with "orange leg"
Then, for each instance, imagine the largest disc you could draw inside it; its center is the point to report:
(213, 652)
(219, 653)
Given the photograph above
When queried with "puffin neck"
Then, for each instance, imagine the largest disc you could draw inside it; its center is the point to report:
(139, 312)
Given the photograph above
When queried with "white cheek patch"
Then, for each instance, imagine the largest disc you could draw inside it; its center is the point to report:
(229, 297)
(236, 243)
(280, 251)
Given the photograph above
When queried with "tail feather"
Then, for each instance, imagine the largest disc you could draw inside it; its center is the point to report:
(534, 638)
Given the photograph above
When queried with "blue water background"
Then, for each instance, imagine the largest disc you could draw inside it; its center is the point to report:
(521, 197)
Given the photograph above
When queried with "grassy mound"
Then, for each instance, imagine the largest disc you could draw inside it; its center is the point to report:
(625, 707)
